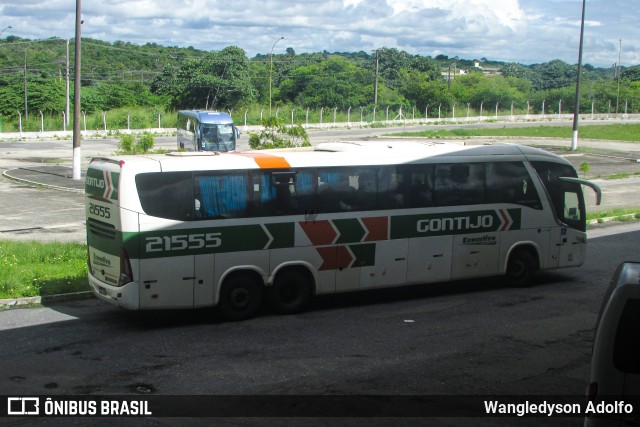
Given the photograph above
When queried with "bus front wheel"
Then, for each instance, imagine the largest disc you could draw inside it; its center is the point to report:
(521, 268)
(291, 292)
(240, 297)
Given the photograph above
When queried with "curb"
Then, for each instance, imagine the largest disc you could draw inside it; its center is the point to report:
(613, 218)
(44, 300)
(39, 184)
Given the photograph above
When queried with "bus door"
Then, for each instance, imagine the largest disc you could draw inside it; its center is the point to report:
(429, 259)
(167, 278)
(570, 207)
(570, 240)
(389, 264)
(475, 255)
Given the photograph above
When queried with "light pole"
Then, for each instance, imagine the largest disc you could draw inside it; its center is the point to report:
(8, 27)
(271, 70)
(576, 114)
(77, 173)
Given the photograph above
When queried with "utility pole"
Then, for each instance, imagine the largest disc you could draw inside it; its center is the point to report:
(375, 86)
(76, 97)
(24, 73)
(67, 117)
(618, 72)
(576, 114)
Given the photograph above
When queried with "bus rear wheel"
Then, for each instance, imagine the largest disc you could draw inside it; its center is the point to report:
(291, 292)
(521, 268)
(240, 297)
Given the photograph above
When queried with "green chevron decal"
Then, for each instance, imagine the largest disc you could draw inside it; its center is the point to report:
(365, 255)
(349, 230)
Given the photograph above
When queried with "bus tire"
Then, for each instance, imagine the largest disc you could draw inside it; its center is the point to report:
(240, 297)
(520, 268)
(291, 292)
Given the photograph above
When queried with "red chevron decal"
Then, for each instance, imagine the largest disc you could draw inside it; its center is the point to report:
(334, 257)
(506, 220)
(378, 228)
(319, 232)
(343, 257)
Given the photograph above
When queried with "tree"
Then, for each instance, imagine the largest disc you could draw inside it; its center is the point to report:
(552, 75)
(218, 80)
(632, 73)
(335, 82)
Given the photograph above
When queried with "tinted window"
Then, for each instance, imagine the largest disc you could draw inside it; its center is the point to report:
(460, 184)
(510, 182)
(167, 195)
(566, 197)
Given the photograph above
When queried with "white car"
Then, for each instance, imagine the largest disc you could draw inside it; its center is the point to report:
(614, 391)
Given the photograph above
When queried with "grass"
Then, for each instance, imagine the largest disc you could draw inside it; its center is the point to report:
(614, 132)
(39, 269)
(620, 214)
(621, 175)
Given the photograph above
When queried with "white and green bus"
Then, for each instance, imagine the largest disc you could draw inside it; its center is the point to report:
(198, 229)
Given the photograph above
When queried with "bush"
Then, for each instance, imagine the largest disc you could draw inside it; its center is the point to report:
(129, 145)
(275, 134)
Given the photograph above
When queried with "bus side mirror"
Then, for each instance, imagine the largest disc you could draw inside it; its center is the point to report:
(237, 133)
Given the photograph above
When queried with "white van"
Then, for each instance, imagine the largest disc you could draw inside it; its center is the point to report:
(615, 363)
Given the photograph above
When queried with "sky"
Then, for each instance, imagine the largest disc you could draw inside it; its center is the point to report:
(523, 31)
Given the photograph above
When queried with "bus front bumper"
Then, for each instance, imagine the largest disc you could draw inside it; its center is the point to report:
(127, 296)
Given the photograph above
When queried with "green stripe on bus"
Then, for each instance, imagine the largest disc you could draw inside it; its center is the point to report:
(102, 183)
(205, 240)
(283, 235)
(440, 224)
(349, 230)
(365, 255)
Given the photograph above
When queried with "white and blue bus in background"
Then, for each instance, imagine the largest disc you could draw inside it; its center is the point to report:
(202, 130)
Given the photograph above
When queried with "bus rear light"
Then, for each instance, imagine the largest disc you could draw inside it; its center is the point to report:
(126, 273)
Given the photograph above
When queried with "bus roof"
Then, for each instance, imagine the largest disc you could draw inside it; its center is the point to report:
(208, 116)
(346, 153)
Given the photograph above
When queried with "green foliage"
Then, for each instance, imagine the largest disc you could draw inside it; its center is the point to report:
(584, 168)
(218, 79)
(130, 144)
(122, 77)
(31, 269)
(275, 134)
(613, 132)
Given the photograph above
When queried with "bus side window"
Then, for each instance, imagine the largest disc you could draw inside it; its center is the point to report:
(222, 196)
(510, 182)
(167, 195)
(334, 190)
(460, 184)
(415, 185)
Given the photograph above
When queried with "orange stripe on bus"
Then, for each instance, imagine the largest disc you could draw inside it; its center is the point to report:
(267, 161)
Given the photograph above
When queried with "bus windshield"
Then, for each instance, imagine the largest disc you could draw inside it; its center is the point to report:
(217, 137)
